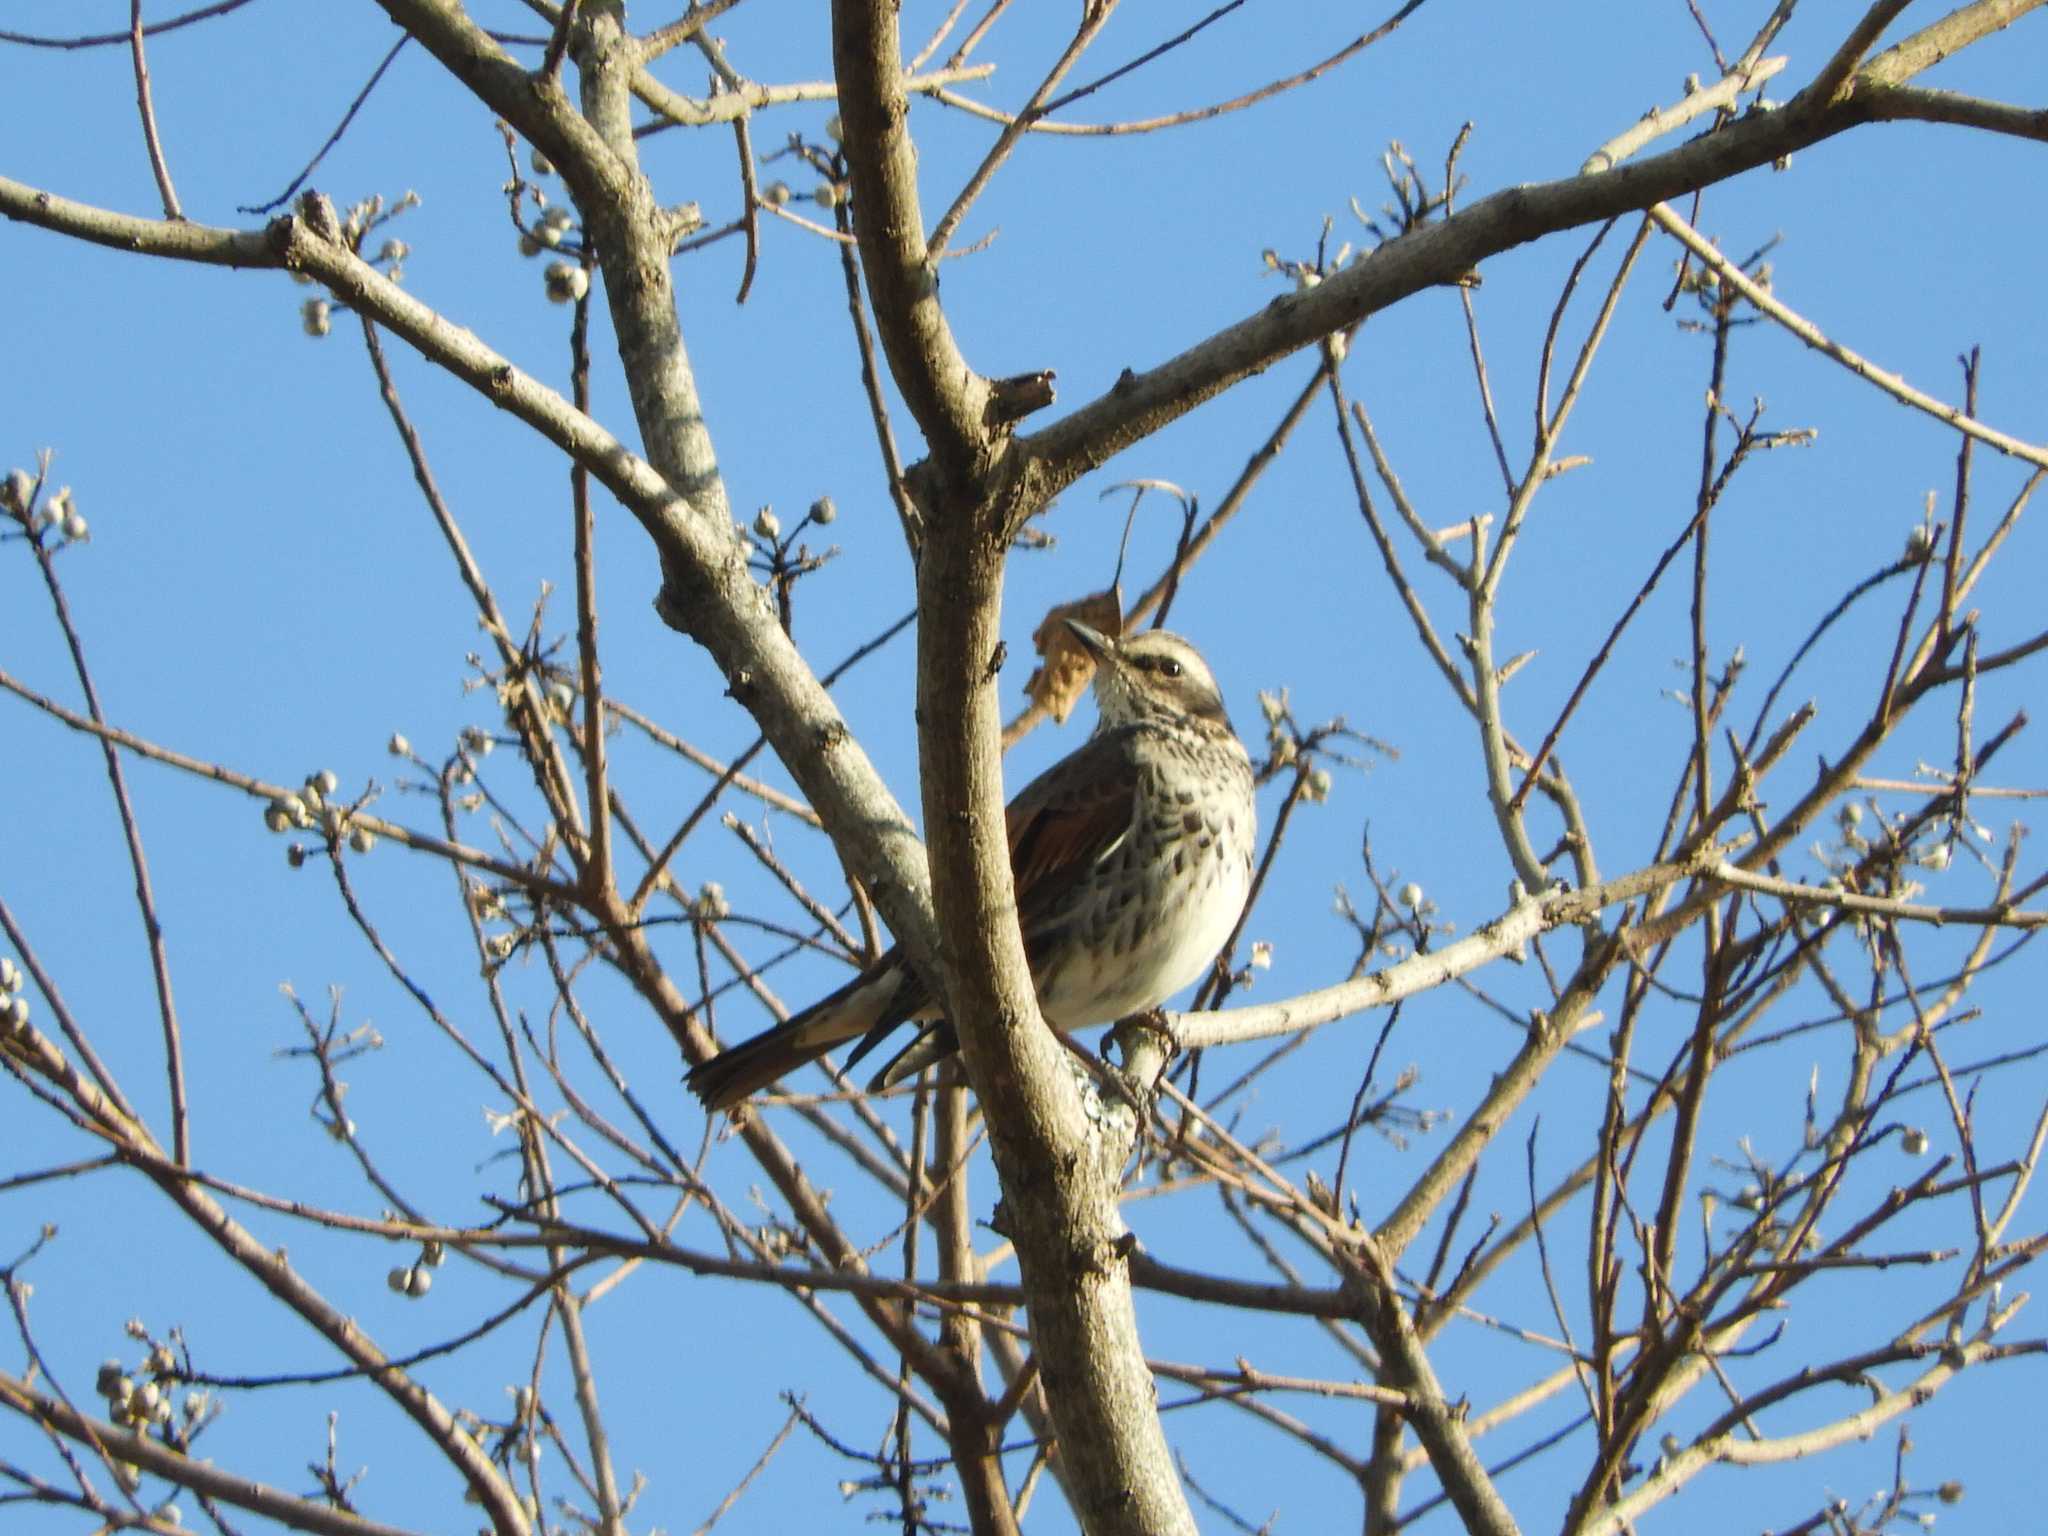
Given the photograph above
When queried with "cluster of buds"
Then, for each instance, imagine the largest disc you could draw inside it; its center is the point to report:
(1280, 737)
(551, 231)
(17, 491)
(1260, 959)
(764, 535)
(142, 1401)
(488, 905)
(61, 514)
(1308, 275)
(566, 282)
(58, 511)
(313, 809)
(1868, 835)
(1421, 909)
(1714, 289)
(562, 281)
(826, 194)
(132, 1402)
(141, 1398)
(831, 190)
(316, 315)
(416, 1279)
(684, 220)
(371, 213)
(521, 1436)
(14, 1009)
(1284, 745)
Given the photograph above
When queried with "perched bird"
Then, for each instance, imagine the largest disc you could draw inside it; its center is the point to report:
(1132, 858)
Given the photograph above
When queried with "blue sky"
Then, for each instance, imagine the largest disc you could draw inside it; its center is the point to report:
(264, 589)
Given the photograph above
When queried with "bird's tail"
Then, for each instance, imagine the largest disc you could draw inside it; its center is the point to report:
(871, 1002)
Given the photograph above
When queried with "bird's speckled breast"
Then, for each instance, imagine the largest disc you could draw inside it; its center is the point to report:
(1166, 896)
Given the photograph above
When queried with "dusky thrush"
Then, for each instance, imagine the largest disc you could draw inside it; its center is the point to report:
(1132, 858)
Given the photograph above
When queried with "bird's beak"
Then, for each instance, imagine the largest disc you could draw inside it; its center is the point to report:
(1093, 641)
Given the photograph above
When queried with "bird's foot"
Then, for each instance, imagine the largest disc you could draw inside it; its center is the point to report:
(1146, 1043)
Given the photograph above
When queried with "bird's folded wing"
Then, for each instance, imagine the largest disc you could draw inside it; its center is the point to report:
(1065, 822)
(1061, 825)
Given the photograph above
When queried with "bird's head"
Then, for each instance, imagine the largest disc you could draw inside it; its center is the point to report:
(1151, 675)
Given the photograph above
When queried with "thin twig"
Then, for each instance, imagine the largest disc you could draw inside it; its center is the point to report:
(158, 166)
(597, 872)
(334, 138)
(750, 200)
(1192, 114)
(1094, 16)
(131, 834)
(558, 42)
(1814, 337)
(115, 39)
(2001, 916)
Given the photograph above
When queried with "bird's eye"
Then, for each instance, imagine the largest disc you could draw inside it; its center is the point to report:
(1170, 668)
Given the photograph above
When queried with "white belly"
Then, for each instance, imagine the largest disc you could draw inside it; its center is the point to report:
(1134, 965)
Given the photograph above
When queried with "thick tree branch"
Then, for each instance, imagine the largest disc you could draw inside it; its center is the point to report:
(1917, 104)
(1834, 75)
(202, 1477)
(948, 398)
(1725, 873)
(1658, 121)
(635, 238)
(534, 104)
(1060, 1196)
(679, 110)
(1936, 41)
(1140, 404)
(1437, 1423)
(1058, 1163)
(1507, 934)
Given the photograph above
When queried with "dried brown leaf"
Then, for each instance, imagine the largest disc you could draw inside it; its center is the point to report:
(1067, 669)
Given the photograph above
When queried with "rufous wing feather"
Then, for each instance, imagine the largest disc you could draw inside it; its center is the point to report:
(1066, 821)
